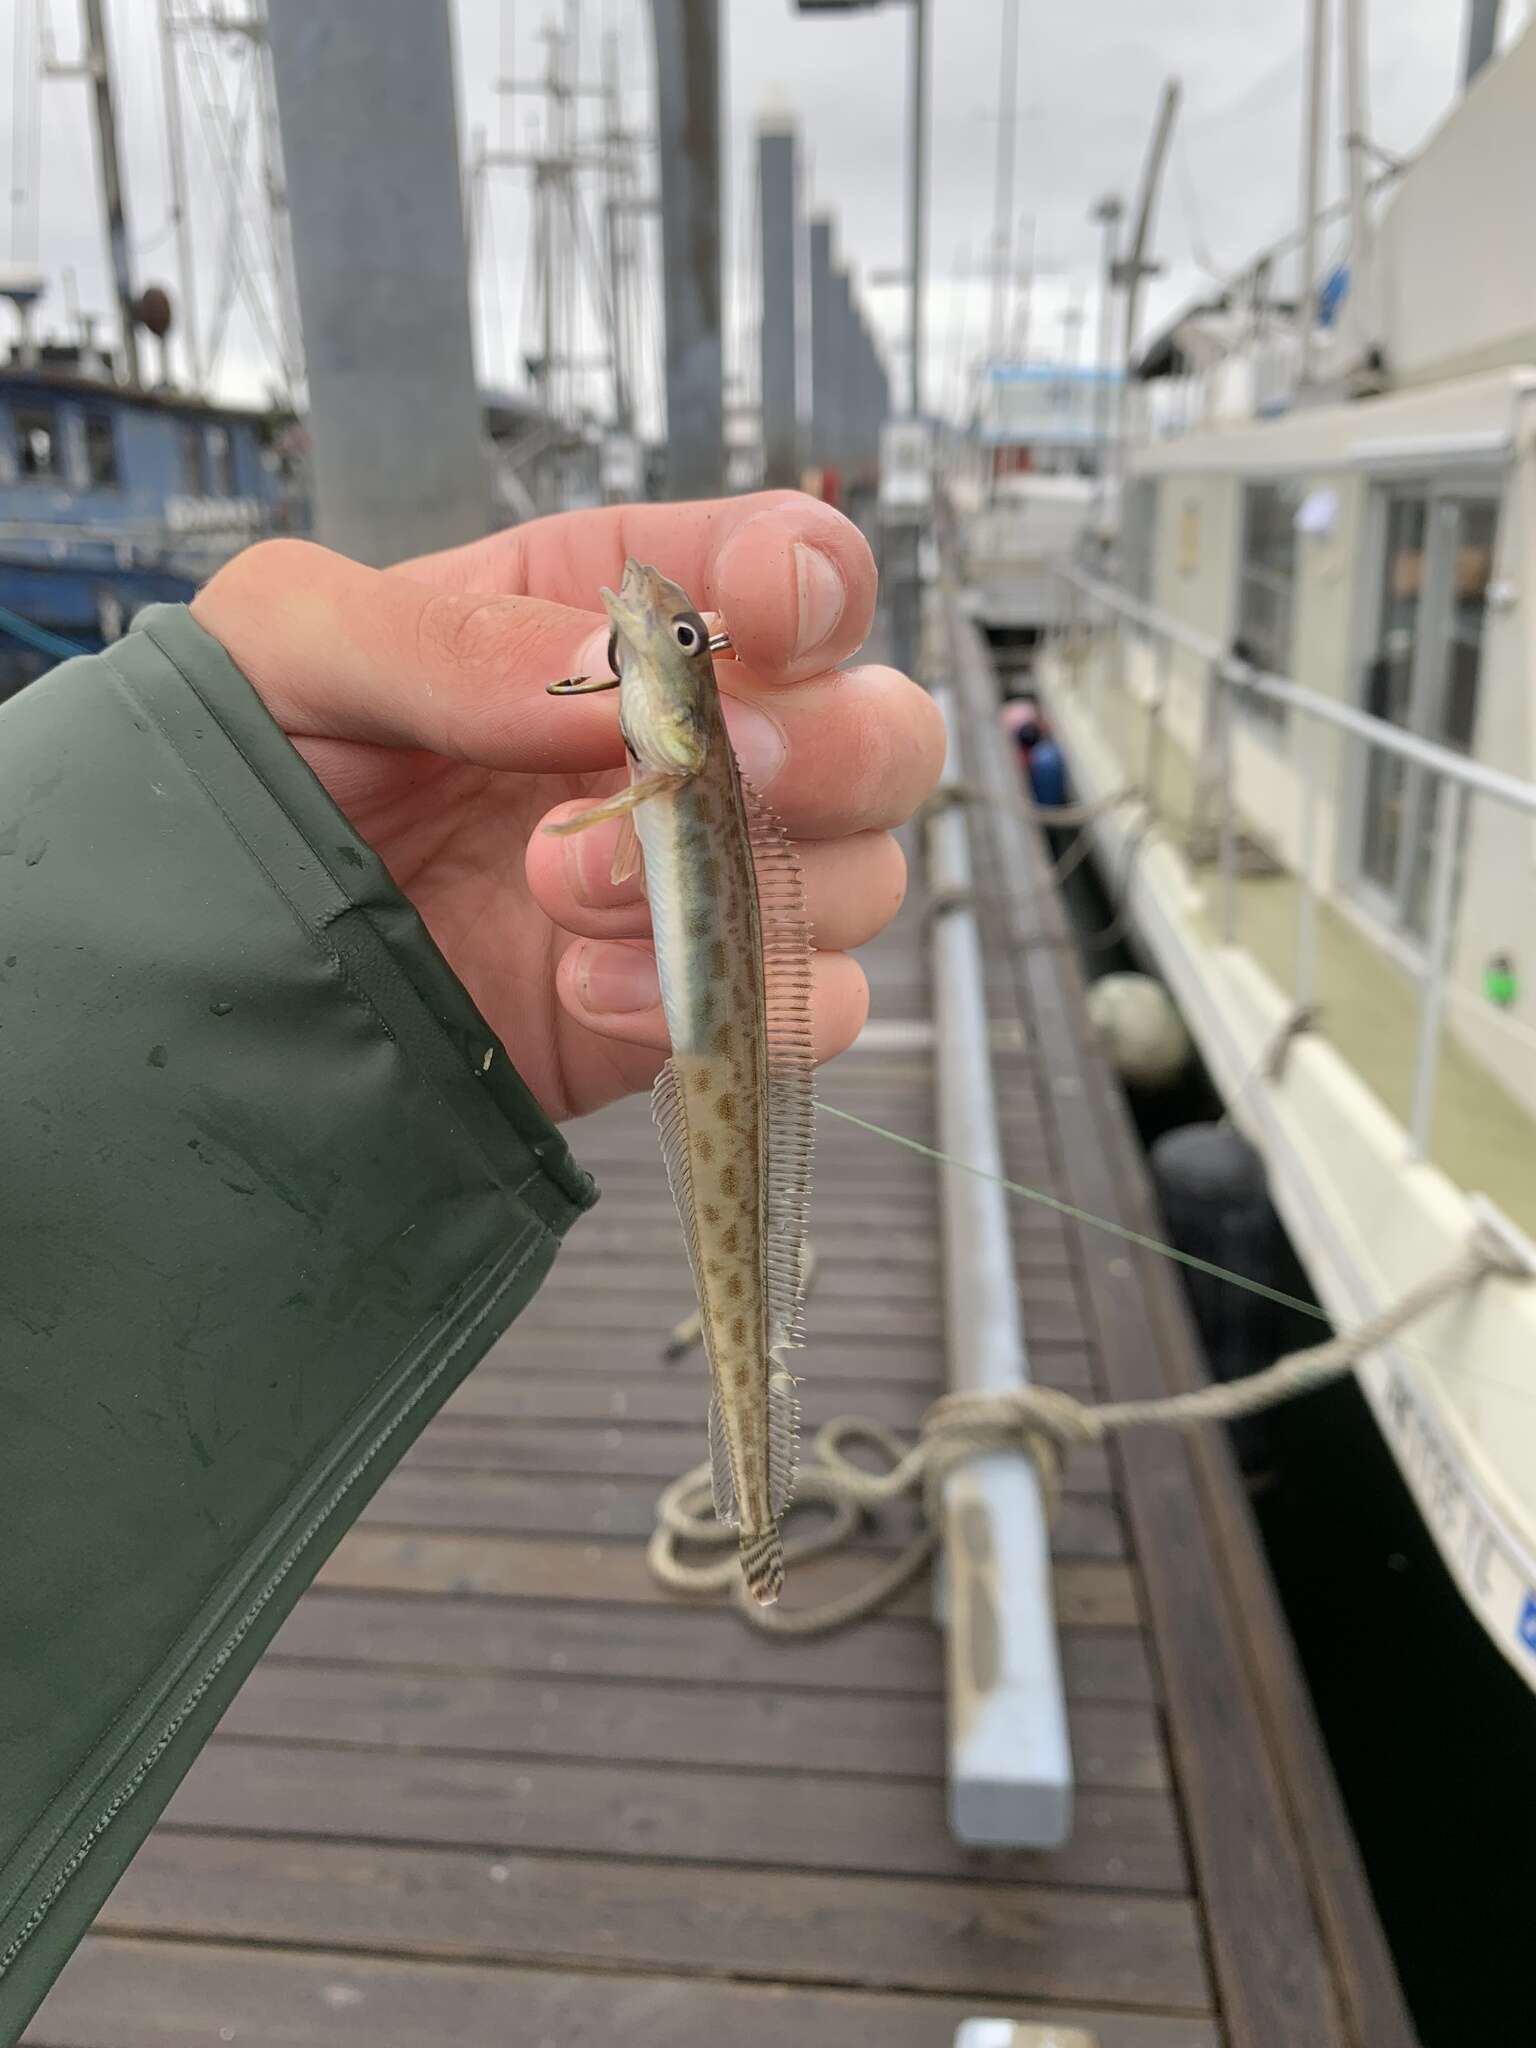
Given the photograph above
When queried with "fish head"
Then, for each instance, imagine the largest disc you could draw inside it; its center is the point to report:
(661, 652)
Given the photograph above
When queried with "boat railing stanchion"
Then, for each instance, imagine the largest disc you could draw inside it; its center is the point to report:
(1102, 680)
(1226, 841)
(1306, 897)
(1162, 657)
(1450, 802)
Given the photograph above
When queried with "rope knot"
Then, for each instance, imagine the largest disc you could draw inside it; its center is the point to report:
(1042, 1423)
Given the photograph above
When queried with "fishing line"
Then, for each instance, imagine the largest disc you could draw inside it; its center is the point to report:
(1149, 1244)
(1120, 1230)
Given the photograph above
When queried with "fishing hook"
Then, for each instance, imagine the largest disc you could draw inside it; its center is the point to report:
(584, 686)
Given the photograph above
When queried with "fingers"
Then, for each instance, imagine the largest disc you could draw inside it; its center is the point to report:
(611, 988)
(340, 651)
(856, 751)
(793, 580)
(853, 886)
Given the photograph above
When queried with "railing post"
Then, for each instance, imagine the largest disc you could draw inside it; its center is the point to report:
(1153, 774)
(1227, 830)
(1306, 901)
(1450, 818)
(1010, 1759)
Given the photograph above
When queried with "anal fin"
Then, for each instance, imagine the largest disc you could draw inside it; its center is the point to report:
(783, 1439)
(721, 1478)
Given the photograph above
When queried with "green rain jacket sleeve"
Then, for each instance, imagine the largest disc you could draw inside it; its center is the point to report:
(270, 1188)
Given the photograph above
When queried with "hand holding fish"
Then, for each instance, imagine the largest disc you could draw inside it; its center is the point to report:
(418, 696)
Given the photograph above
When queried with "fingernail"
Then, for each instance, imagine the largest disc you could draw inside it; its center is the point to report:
(759, 742)
(588, 860)
(593, 660)
(614, 980)
(820, 597)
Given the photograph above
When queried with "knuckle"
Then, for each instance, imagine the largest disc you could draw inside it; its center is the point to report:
(265, 567)
(466, 634)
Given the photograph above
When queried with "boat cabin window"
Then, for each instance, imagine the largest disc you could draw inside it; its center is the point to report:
(39, 445)
(101, 449)
(1266, 587)
(221, 461)
(194, 468)
(1421, 675)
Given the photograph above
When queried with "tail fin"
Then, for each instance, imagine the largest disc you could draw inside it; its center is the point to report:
(762, 1563)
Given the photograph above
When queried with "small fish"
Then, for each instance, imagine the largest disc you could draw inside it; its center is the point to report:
(734, 1104)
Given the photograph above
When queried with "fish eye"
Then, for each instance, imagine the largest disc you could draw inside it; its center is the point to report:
(687, 635)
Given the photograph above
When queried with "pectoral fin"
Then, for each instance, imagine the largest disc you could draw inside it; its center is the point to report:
(627, 857)
(617, 806)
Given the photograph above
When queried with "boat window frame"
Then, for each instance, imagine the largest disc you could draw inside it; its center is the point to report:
(101, 416)
(192, 457)
(1385, 910)
(57, 471)
(219, 459)
(1266, 717)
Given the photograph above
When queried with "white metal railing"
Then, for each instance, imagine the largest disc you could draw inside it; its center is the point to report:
(1456, 781)
(1010, 1757)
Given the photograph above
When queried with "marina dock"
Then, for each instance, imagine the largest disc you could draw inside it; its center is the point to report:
(492, 1784)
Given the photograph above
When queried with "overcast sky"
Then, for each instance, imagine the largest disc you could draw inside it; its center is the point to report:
(1088, 85)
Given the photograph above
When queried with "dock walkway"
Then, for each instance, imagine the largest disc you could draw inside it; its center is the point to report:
(491, 1786)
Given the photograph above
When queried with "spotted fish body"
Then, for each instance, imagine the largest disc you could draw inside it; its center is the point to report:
(733, 1105)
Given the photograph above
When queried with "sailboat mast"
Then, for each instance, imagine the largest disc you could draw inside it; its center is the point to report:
(1311, 186)
(110, 169)
(176, 150)
(1360, 306)
(1002, 199)
(615, 183)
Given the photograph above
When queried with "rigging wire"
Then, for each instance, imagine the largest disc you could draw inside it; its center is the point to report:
(234, 151)
(225, 131)
(1194, 224)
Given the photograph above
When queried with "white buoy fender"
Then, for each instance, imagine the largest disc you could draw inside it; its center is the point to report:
(1142, 1033)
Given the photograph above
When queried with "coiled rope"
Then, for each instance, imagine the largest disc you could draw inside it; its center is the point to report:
(1042, 1423)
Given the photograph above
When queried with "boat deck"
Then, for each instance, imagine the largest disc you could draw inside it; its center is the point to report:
(491, 1785)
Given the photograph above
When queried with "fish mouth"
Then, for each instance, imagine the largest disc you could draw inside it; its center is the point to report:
(639, 600)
